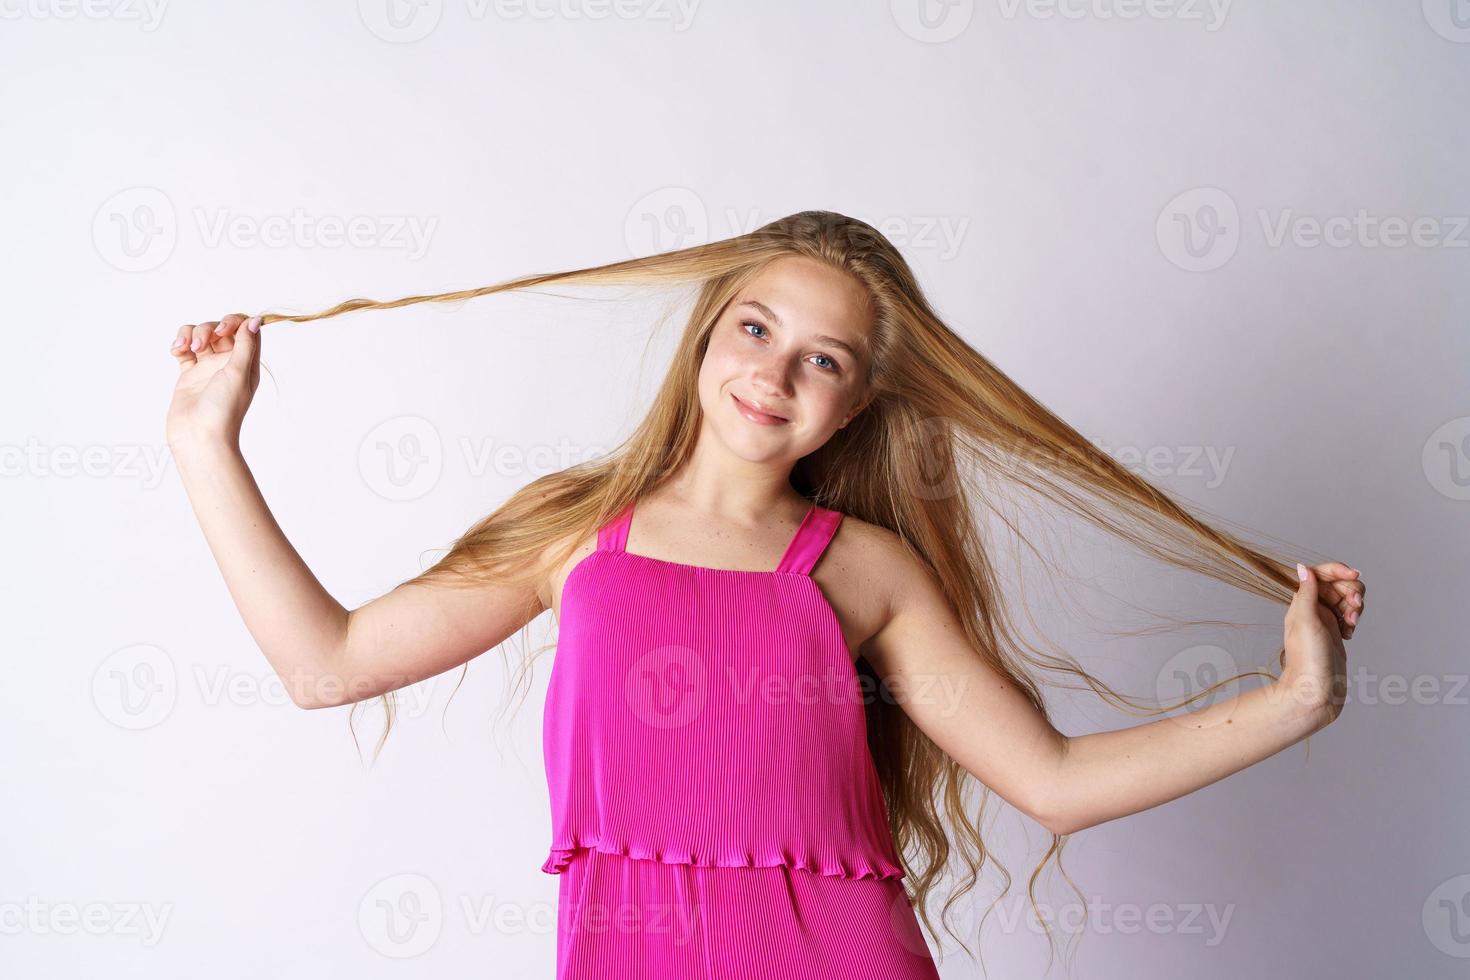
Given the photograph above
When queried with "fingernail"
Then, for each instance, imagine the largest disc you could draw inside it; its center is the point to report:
(178, 342)
(195, 344)
(220, 328)
(1301, 571)
(253, 324)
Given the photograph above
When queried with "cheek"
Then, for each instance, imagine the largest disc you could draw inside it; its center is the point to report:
(833, 405)
(714, 371)
(721, 362)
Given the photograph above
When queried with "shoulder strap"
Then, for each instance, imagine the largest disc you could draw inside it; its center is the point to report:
(613, 536)
(810, 541)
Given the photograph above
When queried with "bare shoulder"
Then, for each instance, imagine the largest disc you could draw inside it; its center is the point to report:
(903, 605)
(554, 569)
(866, 571)
(889, 560)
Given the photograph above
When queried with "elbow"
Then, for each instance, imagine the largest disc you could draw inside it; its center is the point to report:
(1061, 827)
(305, 699)
(1057, 820)
(1051, 819)
(310, 692)
(1053, 811)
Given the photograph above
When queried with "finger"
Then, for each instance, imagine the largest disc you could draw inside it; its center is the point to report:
(222, 337)
(1306, 598)
(228, 324)
(246, 354)
(1345, 595)
(254, 328)
(202, 332)
(1335, 569)
(180, 348)
(1336, 592)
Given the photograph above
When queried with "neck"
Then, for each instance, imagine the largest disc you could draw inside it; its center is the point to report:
(721, 484)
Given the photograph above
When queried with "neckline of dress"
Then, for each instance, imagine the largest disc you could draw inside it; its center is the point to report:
(707, 568)
(778, 570)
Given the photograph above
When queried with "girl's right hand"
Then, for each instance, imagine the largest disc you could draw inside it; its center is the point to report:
(219, 370)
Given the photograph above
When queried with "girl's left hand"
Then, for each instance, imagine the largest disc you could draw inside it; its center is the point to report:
(1314, 667)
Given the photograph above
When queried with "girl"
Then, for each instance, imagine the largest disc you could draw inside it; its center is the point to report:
(781, 654)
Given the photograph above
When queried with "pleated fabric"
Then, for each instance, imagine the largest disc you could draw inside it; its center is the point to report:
(715, 808)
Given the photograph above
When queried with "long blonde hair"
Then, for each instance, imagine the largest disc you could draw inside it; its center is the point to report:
(942, 419)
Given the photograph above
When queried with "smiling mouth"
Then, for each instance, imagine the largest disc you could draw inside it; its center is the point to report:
(755, 415)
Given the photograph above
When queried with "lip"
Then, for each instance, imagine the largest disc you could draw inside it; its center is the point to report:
(755, 415)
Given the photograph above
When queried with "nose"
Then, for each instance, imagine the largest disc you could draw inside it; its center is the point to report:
(772, 380)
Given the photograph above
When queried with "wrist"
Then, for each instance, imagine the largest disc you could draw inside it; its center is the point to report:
(1305, 704)
(185, 450)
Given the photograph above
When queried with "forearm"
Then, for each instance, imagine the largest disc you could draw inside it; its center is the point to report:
(292, 618)
(1108, 775)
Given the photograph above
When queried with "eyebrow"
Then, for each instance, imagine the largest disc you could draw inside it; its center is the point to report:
(770, 314)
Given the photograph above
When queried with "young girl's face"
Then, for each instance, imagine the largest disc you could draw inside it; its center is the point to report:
(794, 344)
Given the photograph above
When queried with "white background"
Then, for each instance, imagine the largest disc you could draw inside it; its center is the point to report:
(1090, 193)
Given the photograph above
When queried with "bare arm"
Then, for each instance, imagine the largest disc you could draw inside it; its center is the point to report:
(1112, 774)
(974, 713)
(324, 654)
(299, 627)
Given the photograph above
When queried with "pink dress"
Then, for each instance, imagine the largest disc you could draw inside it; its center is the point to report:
(715, 809)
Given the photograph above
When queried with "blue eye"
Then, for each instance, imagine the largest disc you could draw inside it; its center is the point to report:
(751, 323)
